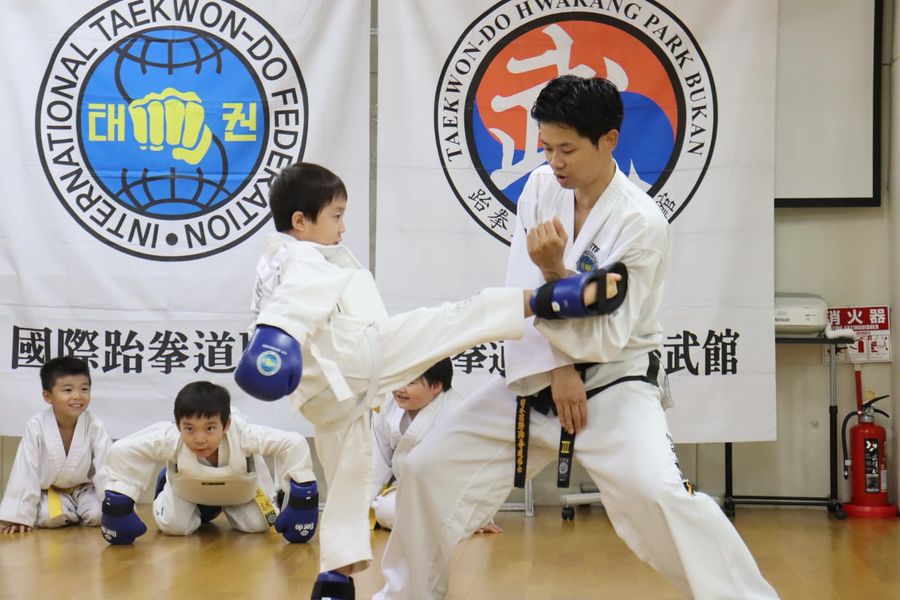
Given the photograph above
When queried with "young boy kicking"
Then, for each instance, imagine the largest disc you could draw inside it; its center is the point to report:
(317, 309)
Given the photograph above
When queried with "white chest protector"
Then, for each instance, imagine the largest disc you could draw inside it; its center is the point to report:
(231, 484)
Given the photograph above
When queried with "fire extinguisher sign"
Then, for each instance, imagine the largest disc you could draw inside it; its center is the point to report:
(872, 325)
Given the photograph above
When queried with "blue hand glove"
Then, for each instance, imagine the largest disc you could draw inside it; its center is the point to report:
(297, 521)
(271, 365)
(119, 523)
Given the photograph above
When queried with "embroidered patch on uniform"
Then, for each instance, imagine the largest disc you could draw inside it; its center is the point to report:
(587, 262)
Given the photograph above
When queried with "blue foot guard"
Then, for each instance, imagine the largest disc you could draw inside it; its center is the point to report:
(331, 585)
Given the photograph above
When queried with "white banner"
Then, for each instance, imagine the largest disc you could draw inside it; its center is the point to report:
(455, 144)
(141, 140)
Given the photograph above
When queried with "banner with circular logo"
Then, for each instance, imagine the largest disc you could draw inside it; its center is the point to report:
(457, 143)
(143, 137)
(488, 142)
(158, 129)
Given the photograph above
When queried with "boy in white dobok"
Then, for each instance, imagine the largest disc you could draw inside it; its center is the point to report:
(55, 478)
(404, 419)
(319, 312)
(600, 375)
(214, 460)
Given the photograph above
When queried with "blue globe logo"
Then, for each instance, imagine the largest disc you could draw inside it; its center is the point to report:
(161, 129)
(160, 139)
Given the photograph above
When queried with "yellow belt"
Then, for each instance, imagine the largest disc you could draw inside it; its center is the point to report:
(265, 506)
(54, 500)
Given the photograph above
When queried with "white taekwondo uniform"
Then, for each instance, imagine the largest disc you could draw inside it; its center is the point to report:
(48, 487)
(626, 447)
(134, 460)
(395, 435)
(353, 354)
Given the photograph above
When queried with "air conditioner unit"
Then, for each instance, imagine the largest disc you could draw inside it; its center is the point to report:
(800, 314)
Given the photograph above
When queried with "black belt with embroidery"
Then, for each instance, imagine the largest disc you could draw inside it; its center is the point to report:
(543, 403)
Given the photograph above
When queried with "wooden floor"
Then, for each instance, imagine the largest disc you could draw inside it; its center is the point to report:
(802, 552)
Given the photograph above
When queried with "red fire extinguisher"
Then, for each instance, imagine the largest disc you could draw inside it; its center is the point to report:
(867, 462)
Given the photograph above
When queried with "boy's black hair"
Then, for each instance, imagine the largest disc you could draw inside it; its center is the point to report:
(441, 372)
(590, 106)
(306, 187)
(203, 399)
(62, 366)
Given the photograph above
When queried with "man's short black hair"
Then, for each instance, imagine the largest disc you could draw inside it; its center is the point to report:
(62, 366)
(304, 187)
(203, 399)
(590, 106)
(441, 372)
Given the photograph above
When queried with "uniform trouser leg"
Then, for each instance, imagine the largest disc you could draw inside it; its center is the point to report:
(413, 341)
(88, 505)
(628, 452)
(410, 343)
(385, 507)
(462, 472)
(346, 457)
(246, 517)
(175, 515)
(453, 482)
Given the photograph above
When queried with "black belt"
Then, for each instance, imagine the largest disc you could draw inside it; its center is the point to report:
(542, 402)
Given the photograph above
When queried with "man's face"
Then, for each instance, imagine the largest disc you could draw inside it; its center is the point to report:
(69, 397)
(417, 394)
(328, 229)
(203, 435)
(576, 161)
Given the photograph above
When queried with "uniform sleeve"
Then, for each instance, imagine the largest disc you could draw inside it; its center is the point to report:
(602, 338)
(100, 445)
(307, 295)
(23, 489)
(381, 457)
(288, 449)
(523, 273)
(132, 461)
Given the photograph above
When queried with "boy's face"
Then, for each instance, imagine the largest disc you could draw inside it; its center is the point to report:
(576, 161)
(69, 396)
(417, 394)
(328, 226)
(203, 435)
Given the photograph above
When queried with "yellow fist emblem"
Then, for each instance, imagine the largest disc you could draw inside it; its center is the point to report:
(171, 119)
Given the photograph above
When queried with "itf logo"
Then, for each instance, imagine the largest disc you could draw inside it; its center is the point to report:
(488, 142)
(161, 124)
